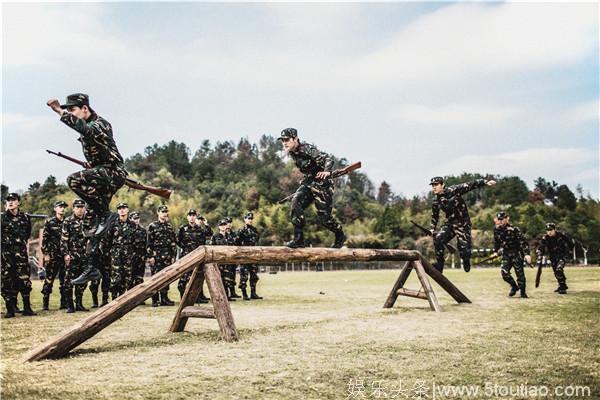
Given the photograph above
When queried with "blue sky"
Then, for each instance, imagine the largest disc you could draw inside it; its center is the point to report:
(412, 90)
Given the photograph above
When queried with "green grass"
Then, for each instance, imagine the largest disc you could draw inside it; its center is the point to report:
(298, 343)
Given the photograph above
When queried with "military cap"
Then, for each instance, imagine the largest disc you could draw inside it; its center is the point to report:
(201, 217)
(501, 215)
(78, 203)
(435, 180)
(13, 196)
(228, 220)
(249, 215)
(192, 211)
(550, 226)
(163, 208)
(134, 215)
(222, 222)
(76, 100)
(60, 203)
(122, 205)
(288, 133)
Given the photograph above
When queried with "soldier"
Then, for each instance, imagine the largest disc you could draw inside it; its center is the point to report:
(104, 283)
(138, 263)
(73, 244)
(162, 249)
(208, 232)
(222, 238)
(511, 244)
(230, 269)
(53, 259)
(120, 242)
(457, 222)
(248, 236)
(15, 270)
(557, 246)
(105, 175)
(316, 186)
(189, 237)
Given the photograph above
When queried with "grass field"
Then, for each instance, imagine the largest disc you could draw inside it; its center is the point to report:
(301, 344)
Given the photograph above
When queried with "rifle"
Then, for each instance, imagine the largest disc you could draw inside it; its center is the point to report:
(538, 275)
(164, 193)
(335, 174)
(495, 255)
(426, 231)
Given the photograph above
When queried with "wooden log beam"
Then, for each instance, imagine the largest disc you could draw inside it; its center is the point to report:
(192, 290)
(444, 282)
(221, 306)
(404, 273)
(197, 312)
(411, 293)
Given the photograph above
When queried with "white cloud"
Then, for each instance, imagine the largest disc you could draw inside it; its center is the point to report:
(584, 112)
(454, 114)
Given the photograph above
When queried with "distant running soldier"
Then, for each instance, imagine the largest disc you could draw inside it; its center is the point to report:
(248, 236)
(556, 245)
(54, 263)
(162, 249)
(512, 245)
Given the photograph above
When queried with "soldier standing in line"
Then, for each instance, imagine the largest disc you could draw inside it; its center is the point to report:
(120, 242)
(104, 282)
(248, 236)
(207, 231)
(53, 259)
(557, 246)
(189, 237)
(511, 244)
(73, 247)
(138, 263)
(458, 223)
(162, 249)
(317, 187)
(14, 269)
(221, 239)
(231, 269)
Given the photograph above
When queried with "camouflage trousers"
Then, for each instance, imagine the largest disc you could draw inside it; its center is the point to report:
(104, 282)
(138, 269)
(558, 267)
(248, 270)
(96, 186)
(228, 274)
(161, 261)
(463, 240)
(515, 261)
(15, 273)
(185, 278)
(322, 196)
(54, 268)
(120, 278)
(72, 271)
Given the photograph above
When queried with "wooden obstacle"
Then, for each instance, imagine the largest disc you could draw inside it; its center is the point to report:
(204, 258)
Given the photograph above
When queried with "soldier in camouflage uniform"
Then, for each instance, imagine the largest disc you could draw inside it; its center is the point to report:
(73, 244)
(222, 238)
(120, 242)
(104, 283)
(231, 269)
(14, 269)
(457, 222)
(511, 244)
(138, 263)
(207, 234)
(557, 246)
(248, 236)
(189, 237)
(162, 249)
(53, 259)
(97, 184)
(317, 187)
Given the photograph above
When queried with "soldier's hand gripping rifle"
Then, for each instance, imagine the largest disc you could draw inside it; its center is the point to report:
(427, 232)
(164, 193)
(335, 174)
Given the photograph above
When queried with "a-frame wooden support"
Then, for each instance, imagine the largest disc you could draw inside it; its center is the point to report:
(423, 270)
(220, 306)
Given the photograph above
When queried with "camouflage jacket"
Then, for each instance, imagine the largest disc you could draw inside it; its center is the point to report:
(311, 160)
(453, 205)
(140, 238)
(557, 246)
(219, 239)
(161, 239)
(96, 137)
(189, 237)
(72, 240)
(247, 236)
(16, 230)
(121, 237)
(509, 240)
(51, 237)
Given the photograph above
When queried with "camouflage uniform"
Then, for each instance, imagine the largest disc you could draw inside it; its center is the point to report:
(189, 238)
(15, 270)
(220, 239)
(103, 283)
(162, 246)
(55, 267)
(120, 241)
(73, 243)
(557, 247)
(248, 236)
(510, 242)
(457, 222)
(231, 269)
(138, 263)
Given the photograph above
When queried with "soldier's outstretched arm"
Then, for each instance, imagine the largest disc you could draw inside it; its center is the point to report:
(466, 187)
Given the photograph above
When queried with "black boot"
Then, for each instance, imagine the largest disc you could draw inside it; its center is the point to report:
(201, 299)
(467, 266)
(46, 302)
(253, 294)
(340, 238)
(63, 302)
(105, 221)
(228, 293)
(245, 294)
(104, 299)
(79, 305)
(90, 273)
(233, 293)
(164, 299)
(95, 300)
(562, 289)
(16, 306)
(155, 298)
(27, 306)
(10, 308)
(513, 290)
(298, 240)
(524, 294)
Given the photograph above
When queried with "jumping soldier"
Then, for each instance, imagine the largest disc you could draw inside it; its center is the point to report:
(54, 262)
(557, 246)
(162, 249)
(248, 236)
(189, 237)
(120, 242)
(97, 184)
(457, 222)
(138, 259)
(73, 244)
(15, 270)
(317, 187)
(511, 244)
